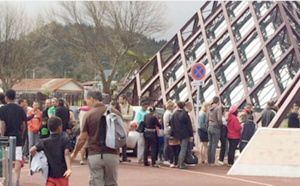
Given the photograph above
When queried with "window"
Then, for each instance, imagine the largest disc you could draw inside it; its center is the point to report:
(216, 27)
(195, 50)
(243, 25)
(235, 8)
(227, 71)
(221, 48)
(174, 72)
(270, 24)
(233, 94)
(261, 7)
(249, 47)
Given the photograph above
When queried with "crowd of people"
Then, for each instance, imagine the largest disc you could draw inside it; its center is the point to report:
(169, 138)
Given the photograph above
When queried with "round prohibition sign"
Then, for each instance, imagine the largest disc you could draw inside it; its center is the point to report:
(198, 72)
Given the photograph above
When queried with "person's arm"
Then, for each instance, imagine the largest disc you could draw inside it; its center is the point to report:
(157, 123)
(68, 163)
(23, 128)
(2, 127)
(219, 116)
(236, 125)
(189, 125)
(33, 150)
(298, 116)
(138, 118)
(72, 119)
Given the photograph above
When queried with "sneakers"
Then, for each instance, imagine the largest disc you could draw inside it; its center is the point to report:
(166, 163)
(17, 183)
(82, 162)
(191, 165)
(156, 166)
(140, 161)
(172, 166)
(182, 166)
(126, 160)
(221, 163)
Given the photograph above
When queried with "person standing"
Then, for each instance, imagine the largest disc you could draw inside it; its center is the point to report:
(139, 117)
(268, 114)
(294, 118)
(34, 124)
(189, 109)
(223, 139)
(202, 132)
(183, 131)
(170, 105)
(127, 114)
(51, 110)
(63, 113)
(214, 122)
(233, 133)
(150, 136)
(103, 171)
(13, 120)
(45, 111)
(82, 111)
(247, 132)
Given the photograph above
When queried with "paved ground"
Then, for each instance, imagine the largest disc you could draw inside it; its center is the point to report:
(133, 174)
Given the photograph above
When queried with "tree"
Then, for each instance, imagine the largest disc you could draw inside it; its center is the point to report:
(16, 44)
(101, 33)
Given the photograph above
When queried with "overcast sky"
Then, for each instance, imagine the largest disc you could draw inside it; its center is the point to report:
(178, 13)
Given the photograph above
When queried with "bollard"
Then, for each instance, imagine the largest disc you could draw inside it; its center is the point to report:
(12, 157)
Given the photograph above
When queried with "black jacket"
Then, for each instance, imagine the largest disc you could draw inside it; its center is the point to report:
(45, 113)
(64, 114)
(248, 130)
(181, 125)
(267, 117)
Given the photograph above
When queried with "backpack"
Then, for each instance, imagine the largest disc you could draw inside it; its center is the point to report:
(112, 131)
(191, 158)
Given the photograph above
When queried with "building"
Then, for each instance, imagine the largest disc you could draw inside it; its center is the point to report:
(250, 50)
(32, 89)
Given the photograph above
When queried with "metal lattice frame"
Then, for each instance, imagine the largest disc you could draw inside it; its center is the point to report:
(153, 83)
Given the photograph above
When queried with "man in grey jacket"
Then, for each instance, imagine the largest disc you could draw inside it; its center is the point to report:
(214, 121)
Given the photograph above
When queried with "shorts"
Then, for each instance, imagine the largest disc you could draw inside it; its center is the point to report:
(203, 135)
(19, 153)
(57, 181)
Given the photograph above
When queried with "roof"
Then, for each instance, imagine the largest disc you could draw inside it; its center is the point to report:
(89, 83)
(44, 84)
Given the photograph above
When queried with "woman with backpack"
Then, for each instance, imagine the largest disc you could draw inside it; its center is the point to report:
(150, 136)
(233, 133)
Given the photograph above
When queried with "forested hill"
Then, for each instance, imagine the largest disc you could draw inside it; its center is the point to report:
(56, 61)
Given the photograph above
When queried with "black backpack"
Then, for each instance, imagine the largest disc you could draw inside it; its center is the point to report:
(191, 158)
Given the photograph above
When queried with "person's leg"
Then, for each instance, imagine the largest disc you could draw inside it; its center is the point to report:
(177, 151)
(242, 146)
(166, 148)
(146, 150)
(230, 152)
(153, 144)
(182, 154)
(18, 164)
(124, 155)
(235, 144)
(223, 148)
(205, 146)
(215, 140)
(209, 150)
(172, 154)
(140, 149)
(111, 163)
(30, 139)
(36, 138)
(96, 168)
(82, 152)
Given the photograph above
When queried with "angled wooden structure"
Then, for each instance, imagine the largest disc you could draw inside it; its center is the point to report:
(250, 50)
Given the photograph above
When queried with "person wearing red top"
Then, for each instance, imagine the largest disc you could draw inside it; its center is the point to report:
(34, 124)
(233, 133)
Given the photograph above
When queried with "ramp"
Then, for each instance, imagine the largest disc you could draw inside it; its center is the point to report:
(270, 152)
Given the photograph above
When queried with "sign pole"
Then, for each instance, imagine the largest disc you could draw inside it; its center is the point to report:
(197, 114)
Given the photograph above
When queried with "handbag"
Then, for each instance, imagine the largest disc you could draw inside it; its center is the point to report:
(141, 127)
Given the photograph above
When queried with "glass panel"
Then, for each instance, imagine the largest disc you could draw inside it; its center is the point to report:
(243, 25)
(169, 50)
(270, 24)
(179, 92)
(286, 71)
(195, 50)
(221, 48)
(249, 47)
(193, 26)
(294, 24)
(256, 70)
(207, 91)
(173, 72)
(278, 46)
(233, 94)
(264, 93)
(261, 7)
(153, 93)
(235, 8)
(149, 72)
(227, 71)
(216, 27)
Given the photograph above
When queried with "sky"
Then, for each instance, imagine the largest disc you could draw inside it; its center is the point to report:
(178, 13)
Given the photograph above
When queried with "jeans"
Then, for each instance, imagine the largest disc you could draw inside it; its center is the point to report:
(224, 148)
(183, 150)
(233, 143)
(166, 148)
(103, 171)
(124, 155)
(150, 141)
(141, 147)
(213, 138)
(160, 149)
(32, 139)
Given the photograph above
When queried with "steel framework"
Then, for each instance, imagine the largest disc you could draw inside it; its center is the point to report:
(250, 50)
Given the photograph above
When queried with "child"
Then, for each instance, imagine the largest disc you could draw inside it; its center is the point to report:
(248, 130)
(56, 149)
(43, 131)
(174, 149)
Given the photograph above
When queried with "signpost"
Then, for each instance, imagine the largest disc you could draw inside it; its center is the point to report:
(198, 72)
